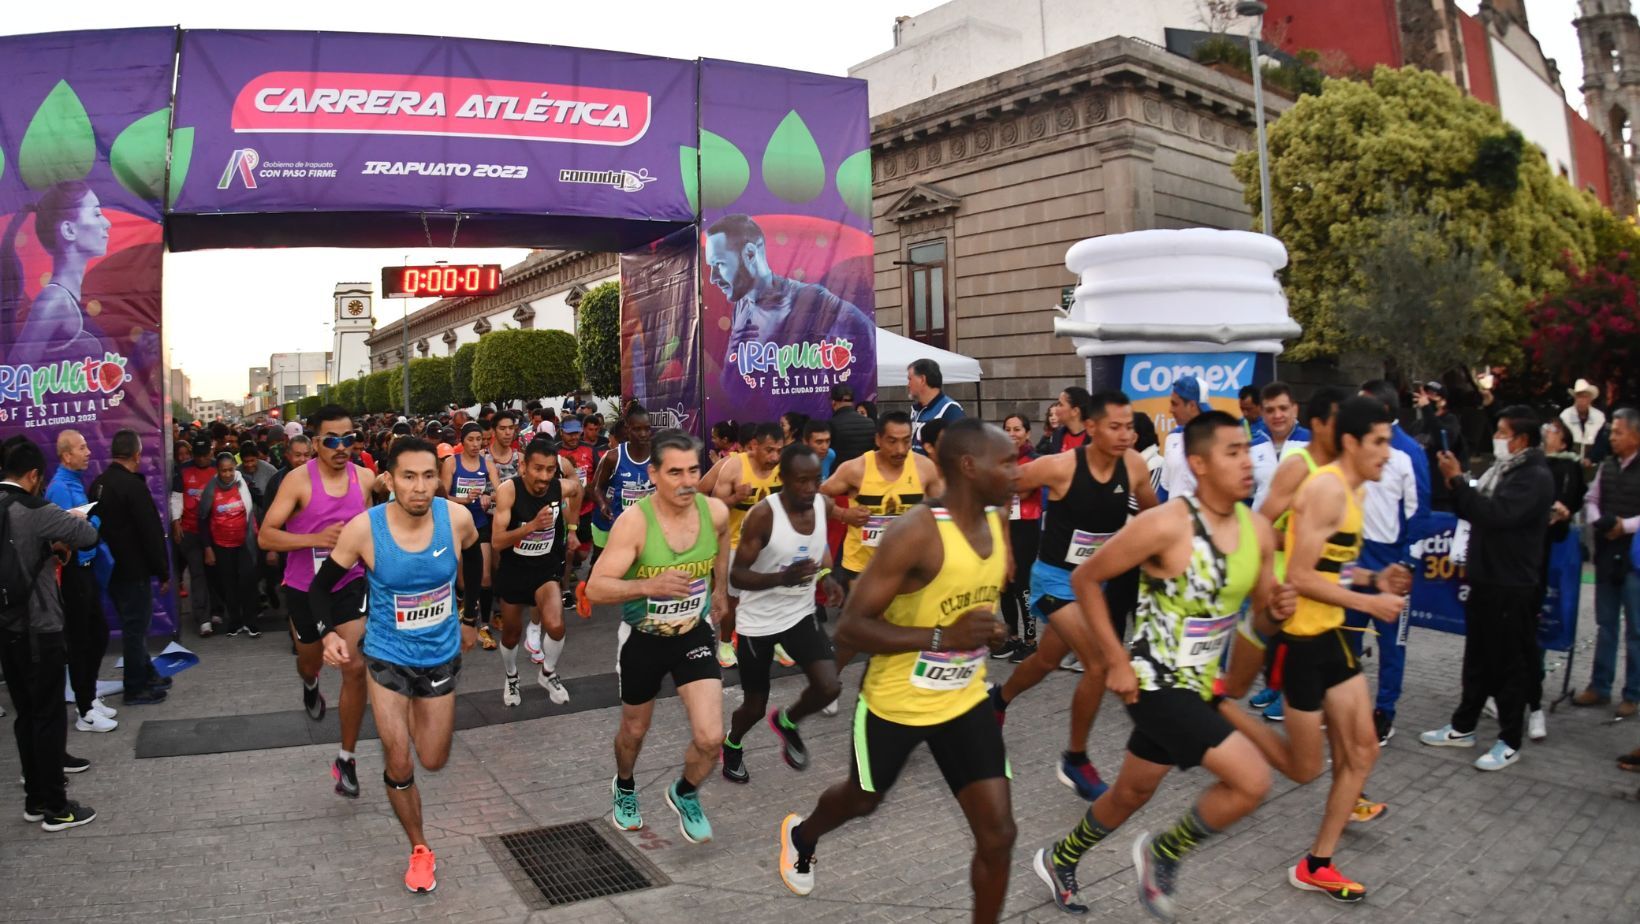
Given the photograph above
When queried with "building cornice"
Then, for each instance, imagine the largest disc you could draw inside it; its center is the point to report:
(539, 275)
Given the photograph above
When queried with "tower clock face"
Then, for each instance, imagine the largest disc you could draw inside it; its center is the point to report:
(355, 308)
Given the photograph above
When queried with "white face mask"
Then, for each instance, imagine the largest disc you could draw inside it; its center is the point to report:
(1500, 449)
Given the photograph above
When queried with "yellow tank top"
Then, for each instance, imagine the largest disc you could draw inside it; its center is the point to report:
(886, 500)
(761, 488)
(1338, 556)
(930, 687)
(1286, 515)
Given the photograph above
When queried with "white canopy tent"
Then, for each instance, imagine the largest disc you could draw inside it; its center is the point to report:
(895, 353)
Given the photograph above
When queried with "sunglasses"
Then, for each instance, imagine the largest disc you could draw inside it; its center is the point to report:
(345, 441)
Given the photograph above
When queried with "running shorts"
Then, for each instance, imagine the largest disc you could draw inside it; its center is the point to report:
(600, 537)
(1175, 727)
(805, 642)
(1305, 667)
(415, 682)
(583, 532)
(517, 582)
(1051, 591)
(967, 749)
(350, 604)
(643, 660)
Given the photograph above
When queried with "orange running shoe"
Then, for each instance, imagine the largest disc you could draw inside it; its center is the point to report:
(1328, 879)
(1368, 810)
(583, 603)
(419, 878)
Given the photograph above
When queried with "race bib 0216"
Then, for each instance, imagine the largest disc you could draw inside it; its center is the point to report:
(412, 612)
(1083, 544)
(946, 671)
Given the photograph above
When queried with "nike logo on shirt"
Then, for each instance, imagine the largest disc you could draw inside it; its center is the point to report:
(441, 551)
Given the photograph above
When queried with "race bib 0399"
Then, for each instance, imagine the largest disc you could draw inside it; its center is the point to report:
(688, 609)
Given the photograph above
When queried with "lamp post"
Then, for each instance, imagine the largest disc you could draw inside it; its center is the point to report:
(1255, 9)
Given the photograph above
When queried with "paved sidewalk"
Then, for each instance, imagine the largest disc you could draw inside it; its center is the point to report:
(259, 836)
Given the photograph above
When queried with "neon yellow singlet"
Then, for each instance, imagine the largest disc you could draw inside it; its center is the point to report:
(886, 500)
(761, 488)
(1281, 522)
(929, 687)
(1338, 556)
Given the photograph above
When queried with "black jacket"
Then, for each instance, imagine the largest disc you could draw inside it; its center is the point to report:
(131, 525)
(1569, 491)
(1427, 428)
(1507, 530)
(852, 434)
(35, 523)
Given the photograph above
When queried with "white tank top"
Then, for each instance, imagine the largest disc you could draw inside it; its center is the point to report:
(770, 612)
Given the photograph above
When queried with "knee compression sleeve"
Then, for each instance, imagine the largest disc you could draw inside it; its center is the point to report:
(398, 784)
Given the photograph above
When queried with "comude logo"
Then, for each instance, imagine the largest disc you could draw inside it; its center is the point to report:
(242, 162)
(627, 181)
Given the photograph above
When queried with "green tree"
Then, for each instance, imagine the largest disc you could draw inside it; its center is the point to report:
(430, 386)
(1341, 161)
(180, 414)
(599, 339)
(461, 376)
(287, 411)
(377, 394)
(309, 405)
(524, 365)
(345, 394)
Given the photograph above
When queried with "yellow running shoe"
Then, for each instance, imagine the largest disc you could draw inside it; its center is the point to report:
(1368, 810)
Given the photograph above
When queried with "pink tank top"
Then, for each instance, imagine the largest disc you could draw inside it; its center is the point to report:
(322, 511)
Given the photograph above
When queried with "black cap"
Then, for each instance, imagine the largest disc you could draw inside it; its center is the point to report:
(1435, 388)
(842, 393)
(401, 429)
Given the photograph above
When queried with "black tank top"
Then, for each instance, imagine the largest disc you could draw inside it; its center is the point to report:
(525, 507)
(1074, 526)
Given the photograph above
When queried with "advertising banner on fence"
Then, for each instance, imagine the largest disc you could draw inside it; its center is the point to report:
(83, 123)
(1148, 378)
(787, 279)
(660, 330)
(296, 121)
(1440, 587)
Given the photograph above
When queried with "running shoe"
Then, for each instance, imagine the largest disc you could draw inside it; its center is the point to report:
(1062, 880)
(625, 812)
(71, 815)
(250, 631)
(831, 707)
(583, 603)
(346, 775)
(235, 633)
(1263, 698)
(509, 692)
(419, 877)
(103, 710)
(1022, 653)
(312, 700)
(1006, 650)
(94, 721)
(796, 868)
(734, 764)
(160, 683)
(1070, 663)
(1081, 777)
(1156, 875)
(33, 813)
(1384, 725)
(726, 655)
(532, 643)
(781, 656)
(1537, 725)
(1448, 737)
(1501, 755)
(567, 600)
(691, 818)
(206, 630)
(1367, 810)
(145, 698)
(72, 764)
(791, 743)
(1276, 711)
(997, 705)
(485, 639)
(556, 691)
(1328, 879)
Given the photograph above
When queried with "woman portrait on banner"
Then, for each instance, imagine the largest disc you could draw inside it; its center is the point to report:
(69, 222)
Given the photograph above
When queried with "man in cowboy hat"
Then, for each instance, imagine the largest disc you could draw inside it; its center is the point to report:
(1584, 420)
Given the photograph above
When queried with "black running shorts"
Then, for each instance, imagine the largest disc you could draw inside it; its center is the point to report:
(583, 531)
(415, 682)
(967, 749)
(517, 581)
(350, 604)
(1175, 727)
(1305, 667)
(643, 660)
(804, 642)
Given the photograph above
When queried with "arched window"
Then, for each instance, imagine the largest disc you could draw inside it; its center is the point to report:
(1622, 131)
(1609, 53)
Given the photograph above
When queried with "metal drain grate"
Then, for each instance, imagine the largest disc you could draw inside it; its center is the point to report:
(563, 864)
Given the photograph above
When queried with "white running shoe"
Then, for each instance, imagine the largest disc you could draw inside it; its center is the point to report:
(831, 707)
(1447, 737)
(1537, 725)
(554, 687)
(102, 709)
(509, 693)
(1501, 755)
(1491, 708)
(93, 721)
(1071, 664)
(532, 643)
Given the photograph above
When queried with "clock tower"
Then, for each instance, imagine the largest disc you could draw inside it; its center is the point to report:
(355, 320)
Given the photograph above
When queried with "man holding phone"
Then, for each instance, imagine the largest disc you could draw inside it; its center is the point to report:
(1438, 431)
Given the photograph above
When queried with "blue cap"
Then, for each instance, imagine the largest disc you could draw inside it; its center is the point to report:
(1190, 388)
(571, 425)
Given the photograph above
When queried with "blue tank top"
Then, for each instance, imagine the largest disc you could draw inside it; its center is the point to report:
(628, 484)
(469, 485)
(412, 619)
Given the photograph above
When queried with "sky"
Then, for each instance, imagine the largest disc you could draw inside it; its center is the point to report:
(293, 287)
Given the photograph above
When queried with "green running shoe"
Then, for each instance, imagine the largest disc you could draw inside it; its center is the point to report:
(625, 813)
(691, 819)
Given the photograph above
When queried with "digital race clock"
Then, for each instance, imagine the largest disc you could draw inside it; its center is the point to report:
(440, 281)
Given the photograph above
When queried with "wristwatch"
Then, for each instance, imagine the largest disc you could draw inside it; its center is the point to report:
(935, 643)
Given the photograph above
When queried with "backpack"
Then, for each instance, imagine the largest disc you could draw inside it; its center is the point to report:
(16, 585)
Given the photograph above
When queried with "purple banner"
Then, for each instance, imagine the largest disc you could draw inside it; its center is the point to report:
(660, 331)
(84, 119)
(785, 198)
(298, 121)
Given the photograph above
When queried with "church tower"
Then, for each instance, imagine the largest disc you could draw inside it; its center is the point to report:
(355, 320)
(1610, 38)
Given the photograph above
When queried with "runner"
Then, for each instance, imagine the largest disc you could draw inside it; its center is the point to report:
(469, 479)
(412, 646)
(535, 524)
(926, 608)
(622, 477)
(1092, 491)
(1192, 588)
(742, 481)
(579, 457)
(499, 453)
(664, 565)
(781, 556)
(312, 505)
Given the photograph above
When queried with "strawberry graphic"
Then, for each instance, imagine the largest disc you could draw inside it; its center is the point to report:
(841, 355)
(110, 376)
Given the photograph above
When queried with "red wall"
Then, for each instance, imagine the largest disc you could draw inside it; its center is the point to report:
(1588, 157)
(1477, 59)
(1366, 31)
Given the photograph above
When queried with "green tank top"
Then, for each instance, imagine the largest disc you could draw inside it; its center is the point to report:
(672, 617)
(1280, 524)
(1183, 622)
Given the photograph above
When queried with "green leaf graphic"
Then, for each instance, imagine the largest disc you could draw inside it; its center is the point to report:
(59, 143)
(689, 169)
(668, 351)
(792, 166)
(2, 164)
(182, 152)
(724, 171)
(854, 182)
(138, 155)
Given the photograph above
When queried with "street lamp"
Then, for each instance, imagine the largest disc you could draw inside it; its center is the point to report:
(1255, 9)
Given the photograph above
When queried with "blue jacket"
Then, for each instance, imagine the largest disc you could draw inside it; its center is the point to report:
(942, 407)
(67, 490)
(1420, 475)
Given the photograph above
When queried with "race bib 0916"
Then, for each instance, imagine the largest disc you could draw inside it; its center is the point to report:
(413, 612)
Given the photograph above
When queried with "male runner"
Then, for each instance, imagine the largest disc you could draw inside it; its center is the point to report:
(743, 481)
(500, 452)
(469, 479)
(579, 457)
(781, 556)
(622, 478)
(666, 565)
(1091, 493)
(309, 509)
(925, 609)
(534, 529)
(1200, 556)
(411, 548)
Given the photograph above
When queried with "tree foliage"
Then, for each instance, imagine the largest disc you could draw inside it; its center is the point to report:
(180, 414)
(377, 394)
(461, 376)
(1341, 162)
(524, 365)
(309, 405)
(600, 339)
(430, 386)
(346, 394)
(1590, 328)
